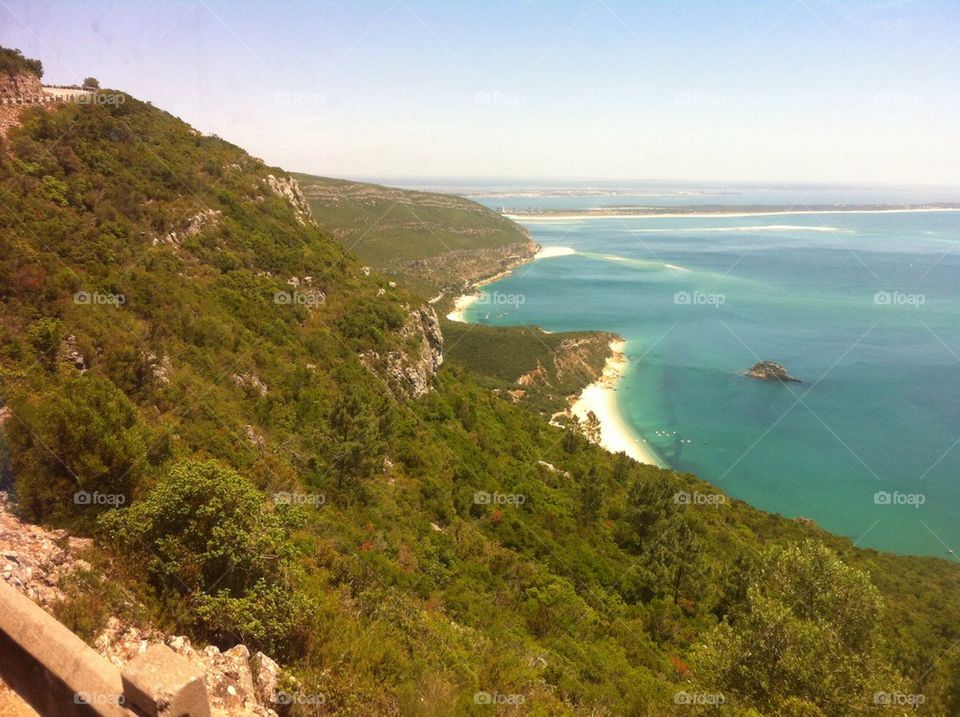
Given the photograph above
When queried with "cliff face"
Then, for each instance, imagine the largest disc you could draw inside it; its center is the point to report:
(462, 268)
(21, 85)
(409, 372)
(289, 189)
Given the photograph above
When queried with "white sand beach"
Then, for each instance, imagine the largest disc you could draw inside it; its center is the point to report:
(601, 214)
(600, 397)
(460, 306)
(550, 252)
(462, 303)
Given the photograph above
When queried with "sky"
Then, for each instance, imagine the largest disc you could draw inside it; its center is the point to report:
(782, 91)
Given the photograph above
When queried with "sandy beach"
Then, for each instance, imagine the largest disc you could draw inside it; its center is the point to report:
(600, 397)
(462, 303)
(600, 214)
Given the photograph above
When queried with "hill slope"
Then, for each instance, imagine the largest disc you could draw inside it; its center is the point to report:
(438, 241)
(295, 470)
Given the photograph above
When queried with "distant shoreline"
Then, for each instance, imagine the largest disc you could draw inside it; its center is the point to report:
(711, 211)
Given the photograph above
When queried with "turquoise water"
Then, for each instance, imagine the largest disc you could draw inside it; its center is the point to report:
(878, 409)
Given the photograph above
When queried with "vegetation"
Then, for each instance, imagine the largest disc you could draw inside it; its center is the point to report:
(400, 556)
(545, 368)
(12, 62)
(434, 241)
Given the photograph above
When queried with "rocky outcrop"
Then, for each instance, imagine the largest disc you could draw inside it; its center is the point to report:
(288, 189)
(237, 684)
(36, 561)
(20, 86)
(409, 372)
(194, 225)
(770, 371)
(462, 268)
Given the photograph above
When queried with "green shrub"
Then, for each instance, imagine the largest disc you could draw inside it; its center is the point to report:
(204, 533)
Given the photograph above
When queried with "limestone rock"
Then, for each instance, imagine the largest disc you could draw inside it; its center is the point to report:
(770, 371)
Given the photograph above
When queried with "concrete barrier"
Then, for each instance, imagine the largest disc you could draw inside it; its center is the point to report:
(58, 674)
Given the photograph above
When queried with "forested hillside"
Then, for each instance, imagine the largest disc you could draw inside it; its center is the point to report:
(261, 438)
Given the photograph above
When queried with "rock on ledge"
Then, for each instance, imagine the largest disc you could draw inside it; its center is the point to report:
(770, 371)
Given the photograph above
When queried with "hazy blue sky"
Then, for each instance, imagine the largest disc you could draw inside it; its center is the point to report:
(717, 89)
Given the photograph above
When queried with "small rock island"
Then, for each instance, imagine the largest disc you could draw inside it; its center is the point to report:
(770, 371)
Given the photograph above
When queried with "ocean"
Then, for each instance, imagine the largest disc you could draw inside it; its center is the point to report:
(863, 308)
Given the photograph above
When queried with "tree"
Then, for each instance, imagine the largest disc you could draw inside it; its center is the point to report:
(91, 83)
(357, 442)
(808, 638)
(204, 533)
(591, 492)
(81, 437)
(44, 337)
(650, 500)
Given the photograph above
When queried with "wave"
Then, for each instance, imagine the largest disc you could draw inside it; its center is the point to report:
(629, 261)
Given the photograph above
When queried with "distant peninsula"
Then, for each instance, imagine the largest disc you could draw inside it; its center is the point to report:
(693, 210)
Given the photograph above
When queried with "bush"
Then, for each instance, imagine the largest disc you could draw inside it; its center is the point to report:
(204, 533)
(76, 449)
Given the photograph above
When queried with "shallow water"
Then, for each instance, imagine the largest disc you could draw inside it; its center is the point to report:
(863, 308)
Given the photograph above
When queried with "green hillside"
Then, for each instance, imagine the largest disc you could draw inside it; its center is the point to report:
(438, 241)
(177, 338)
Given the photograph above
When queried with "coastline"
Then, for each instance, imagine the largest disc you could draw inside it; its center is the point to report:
(600, 214)
(464, 301)
(600, 398)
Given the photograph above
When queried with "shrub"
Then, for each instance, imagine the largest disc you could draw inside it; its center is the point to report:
(73, 444)
(204, 533)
